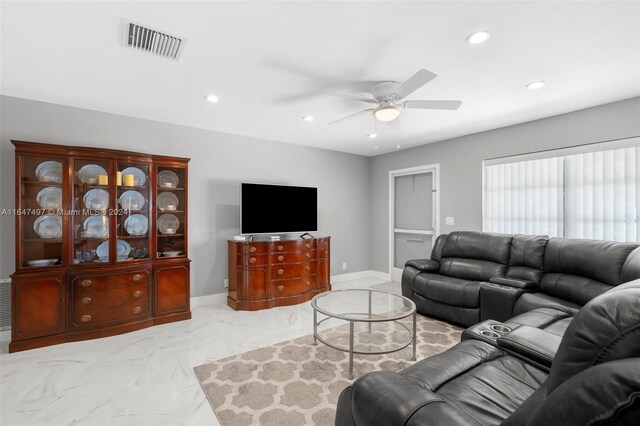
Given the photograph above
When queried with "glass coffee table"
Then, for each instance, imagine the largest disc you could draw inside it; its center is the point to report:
(364, 308)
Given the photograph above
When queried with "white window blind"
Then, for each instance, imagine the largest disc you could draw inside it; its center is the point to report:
(524, 197)
(602, 195)
(578, 195)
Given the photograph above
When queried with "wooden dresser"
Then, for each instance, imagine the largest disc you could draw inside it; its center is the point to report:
(264, 274)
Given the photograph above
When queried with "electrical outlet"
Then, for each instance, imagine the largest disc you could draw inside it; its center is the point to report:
(226, 283)
(344, 265)
(450, 220)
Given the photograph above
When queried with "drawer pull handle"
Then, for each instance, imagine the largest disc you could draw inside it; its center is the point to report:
(252, 260)
(280, 271)
(280, 247)
(137, 293)
(86, 300)
(307, 255)
(308, 283)
(280, 287)
(137, 310)
(86, 283)
(280, 258)
(85, 318)
(308, 245)
(307, 268)
(252, 249)
(137, 277)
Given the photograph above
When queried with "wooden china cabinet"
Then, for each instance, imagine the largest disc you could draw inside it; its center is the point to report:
(101, 243)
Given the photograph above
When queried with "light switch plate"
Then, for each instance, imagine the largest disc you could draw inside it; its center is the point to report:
(450, 220)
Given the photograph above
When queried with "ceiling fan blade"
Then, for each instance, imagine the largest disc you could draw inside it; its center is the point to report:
(418, 80)
(451, 105)
(351, 116)
(356, 97)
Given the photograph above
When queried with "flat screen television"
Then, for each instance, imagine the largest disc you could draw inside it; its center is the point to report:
(277, 209)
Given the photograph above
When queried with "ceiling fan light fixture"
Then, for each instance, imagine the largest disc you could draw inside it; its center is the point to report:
(478, 37)
(386, 112)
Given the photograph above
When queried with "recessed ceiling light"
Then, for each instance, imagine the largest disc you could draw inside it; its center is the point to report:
(478, 37)
(372, 136)
(308, 118)
(397, 146)
(211, 98)
(535, 85)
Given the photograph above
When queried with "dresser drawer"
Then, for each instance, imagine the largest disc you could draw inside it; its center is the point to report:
(114, 297)
(90, 317)
(293, 270)
(292, 246)
(293, 257)
(258, 248)
(286, 288)
(253, 260)
(109, 282)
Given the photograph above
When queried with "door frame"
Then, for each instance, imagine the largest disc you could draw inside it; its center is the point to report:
(435, 194)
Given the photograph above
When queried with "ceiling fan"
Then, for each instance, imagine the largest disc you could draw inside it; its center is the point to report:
(389, 94)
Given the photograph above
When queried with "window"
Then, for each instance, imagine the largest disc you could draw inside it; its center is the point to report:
(580, 195)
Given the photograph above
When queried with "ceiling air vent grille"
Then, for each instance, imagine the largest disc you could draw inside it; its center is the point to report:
(152, 41)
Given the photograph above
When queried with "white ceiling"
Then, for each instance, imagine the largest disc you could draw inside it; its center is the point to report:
(271, 63)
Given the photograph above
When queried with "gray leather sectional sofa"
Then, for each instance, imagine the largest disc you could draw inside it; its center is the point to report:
(554, 337)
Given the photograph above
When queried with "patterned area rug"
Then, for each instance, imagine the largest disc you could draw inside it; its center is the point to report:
(296, 383)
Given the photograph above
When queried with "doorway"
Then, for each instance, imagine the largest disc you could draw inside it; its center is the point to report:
(414, 221)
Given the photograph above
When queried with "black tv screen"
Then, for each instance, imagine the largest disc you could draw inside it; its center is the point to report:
(277, 209)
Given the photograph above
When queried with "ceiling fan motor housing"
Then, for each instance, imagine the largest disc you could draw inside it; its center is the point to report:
(383, 92)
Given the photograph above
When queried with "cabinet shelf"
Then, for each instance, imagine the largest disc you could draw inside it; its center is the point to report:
(43, 240)
(41, 183)
(164, 188)
(170, 235)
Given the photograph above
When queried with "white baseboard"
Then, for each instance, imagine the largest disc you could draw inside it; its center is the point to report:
(359, 276)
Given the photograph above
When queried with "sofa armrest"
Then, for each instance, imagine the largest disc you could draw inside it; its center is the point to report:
(514, 282)
(424, 265)
(531, 342)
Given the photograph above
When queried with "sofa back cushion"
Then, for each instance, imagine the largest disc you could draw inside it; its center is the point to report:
(476, 256)
(526, 259)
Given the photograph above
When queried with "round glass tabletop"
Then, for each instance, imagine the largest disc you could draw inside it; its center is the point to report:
(363, 305)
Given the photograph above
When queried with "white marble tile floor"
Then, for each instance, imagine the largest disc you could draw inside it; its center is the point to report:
(145, 377)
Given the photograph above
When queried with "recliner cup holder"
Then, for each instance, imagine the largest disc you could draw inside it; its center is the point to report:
(501, 329)
(491, 334)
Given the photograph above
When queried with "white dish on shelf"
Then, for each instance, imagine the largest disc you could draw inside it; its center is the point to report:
(48, 226)
(96, 226)
(171, 253)
(96, 199)
(50, 197)
(168, 224)
(136, 224)
(168, 179)
(49, 171)
(90, 173)
(42, 262)
(132, 200)
(167, 201)
(139, 178)
(122, 250)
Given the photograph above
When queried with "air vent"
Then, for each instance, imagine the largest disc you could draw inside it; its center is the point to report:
(153, 41)
(5, 304)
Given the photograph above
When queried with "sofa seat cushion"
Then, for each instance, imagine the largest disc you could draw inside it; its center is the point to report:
(475, 381)
(551, 320)
(530, 301)
(448, 290)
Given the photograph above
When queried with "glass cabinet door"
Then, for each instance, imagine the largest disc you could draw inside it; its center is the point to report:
(171, 212)
(90, 221)
(40, 211)
(132, 211)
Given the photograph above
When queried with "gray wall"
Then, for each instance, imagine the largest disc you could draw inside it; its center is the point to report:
(460, 162)
(219, 162)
